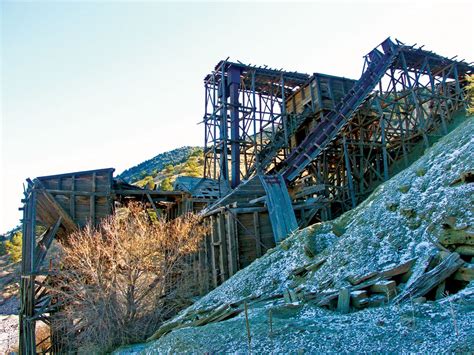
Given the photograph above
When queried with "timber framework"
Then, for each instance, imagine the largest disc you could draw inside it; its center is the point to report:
(282, 150)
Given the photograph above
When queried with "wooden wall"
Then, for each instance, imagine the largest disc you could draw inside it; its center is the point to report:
(235, 240)
(85, 196)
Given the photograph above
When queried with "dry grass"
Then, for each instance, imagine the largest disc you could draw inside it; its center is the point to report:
(118, 282)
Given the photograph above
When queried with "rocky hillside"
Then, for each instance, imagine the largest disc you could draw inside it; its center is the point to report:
(153, 166)
(392, 275)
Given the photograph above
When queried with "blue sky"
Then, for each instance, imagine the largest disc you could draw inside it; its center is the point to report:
(88, 85)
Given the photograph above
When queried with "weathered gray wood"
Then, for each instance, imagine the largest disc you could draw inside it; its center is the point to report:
(282, 215)
(258, 237)
(214, 251)
(431, 279)
(232, 244)
(92, 199)
(343, 301)
(399, 269)
(72, 199)
(223, 262)
(44, 244)
(386, 287)
(359, 299)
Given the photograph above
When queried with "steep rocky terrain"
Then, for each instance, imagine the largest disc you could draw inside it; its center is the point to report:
(380, 253)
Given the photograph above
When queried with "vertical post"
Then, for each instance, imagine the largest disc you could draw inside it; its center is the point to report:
(384, 144)
(27, 339)
(233, 75)
(231, 244)
(223, 263)
(92, 199)
(72, 199)
(348, 172)
(283, 111)
(223, 127)
(258, 238)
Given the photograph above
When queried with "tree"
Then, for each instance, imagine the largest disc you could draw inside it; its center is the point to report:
(120, 281)
(166, 185)
(13, 247)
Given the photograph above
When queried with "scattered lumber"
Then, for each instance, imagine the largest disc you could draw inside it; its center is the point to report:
(386, 287)
(399, 269)
(359, 299)
(315, 266)
(344, 301)
(376, 300)
(429, 280)
(355, 280)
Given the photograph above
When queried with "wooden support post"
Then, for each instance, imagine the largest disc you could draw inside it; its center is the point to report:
(92, 200)
(258, 237)
(344, 301)
(214, 252)
(72, 199)
(349, 173)
(232, 244)
(223, 262)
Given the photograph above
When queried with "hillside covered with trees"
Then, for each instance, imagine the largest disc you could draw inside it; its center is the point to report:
(154, 167)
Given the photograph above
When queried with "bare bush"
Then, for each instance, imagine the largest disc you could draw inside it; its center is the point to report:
(119, 281)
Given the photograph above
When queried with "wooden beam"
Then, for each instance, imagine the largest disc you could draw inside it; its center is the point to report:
(92, 200)
(258, 237)
(223, 262)
(44, 244)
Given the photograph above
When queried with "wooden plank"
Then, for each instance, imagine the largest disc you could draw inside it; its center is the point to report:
(280, 209)
(232, 244)
(431, 279)
(72, 206)
(399, 269)
(343, 301)
(223, 261)
(92, 200)
(258, 238)
(44, 244)
(214, 252)
(359, 298)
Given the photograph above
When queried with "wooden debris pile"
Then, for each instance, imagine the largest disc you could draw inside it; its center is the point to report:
(441, 274)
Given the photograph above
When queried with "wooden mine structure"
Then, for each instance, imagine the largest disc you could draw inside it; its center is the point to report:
(282, 150)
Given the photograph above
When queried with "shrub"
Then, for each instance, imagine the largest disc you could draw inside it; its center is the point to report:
(166, 185)
(13, 247)
(119, 282)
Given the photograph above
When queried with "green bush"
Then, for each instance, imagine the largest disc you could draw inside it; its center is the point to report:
(13, 247)
(166, 185)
